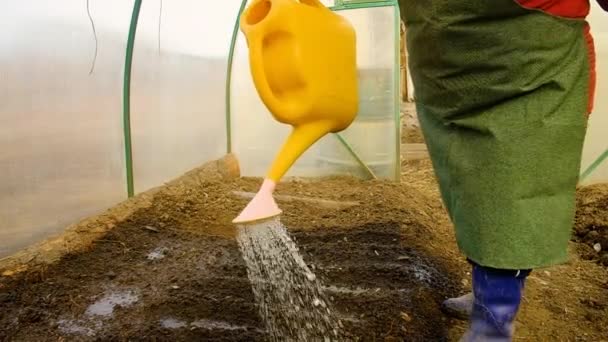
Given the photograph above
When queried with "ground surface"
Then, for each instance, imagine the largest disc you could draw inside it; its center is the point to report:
(171, 269)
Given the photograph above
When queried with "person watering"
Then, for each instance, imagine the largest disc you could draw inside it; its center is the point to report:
(503, 92)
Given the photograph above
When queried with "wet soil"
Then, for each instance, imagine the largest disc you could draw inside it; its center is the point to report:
(381, 288)
(171, 269)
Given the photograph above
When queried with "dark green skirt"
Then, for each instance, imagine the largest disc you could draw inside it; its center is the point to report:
(502, 95)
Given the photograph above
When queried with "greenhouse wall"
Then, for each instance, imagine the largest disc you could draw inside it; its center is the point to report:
(596, 143)
(62, 155)
(177, 97)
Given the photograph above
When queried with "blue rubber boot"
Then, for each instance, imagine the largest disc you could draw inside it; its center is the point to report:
(497, 296)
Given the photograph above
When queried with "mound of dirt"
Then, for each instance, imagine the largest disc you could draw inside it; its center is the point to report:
(591, 225)
(172, 269)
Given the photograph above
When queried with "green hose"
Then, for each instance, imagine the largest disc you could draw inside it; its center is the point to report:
(235, 32)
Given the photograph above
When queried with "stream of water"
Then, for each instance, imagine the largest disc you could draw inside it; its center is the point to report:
(289, 297)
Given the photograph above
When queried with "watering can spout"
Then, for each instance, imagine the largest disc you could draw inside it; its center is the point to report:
(303, 64)
(300, 139)
(263, 205)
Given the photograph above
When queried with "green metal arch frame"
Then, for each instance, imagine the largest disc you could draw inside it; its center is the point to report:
(126, 97)
(339, 5)
(227, 93)
(593, 166)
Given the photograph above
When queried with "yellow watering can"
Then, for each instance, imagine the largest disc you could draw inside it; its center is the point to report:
(303, 63)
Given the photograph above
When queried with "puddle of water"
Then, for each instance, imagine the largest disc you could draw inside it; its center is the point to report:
(106, 304)
(346, 290)
(77, 327)
(216, 325)
(89, 324)
(158, 253)
(172, 323)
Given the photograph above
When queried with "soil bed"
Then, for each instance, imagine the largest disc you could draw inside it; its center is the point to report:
(170, 269)
(173, 271)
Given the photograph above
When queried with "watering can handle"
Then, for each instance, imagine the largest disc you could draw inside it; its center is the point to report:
(256, 61)
(259, 77)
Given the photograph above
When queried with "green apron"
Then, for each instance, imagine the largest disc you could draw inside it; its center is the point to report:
(501, 93)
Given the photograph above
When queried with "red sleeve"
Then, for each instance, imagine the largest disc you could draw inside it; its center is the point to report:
(562, 8)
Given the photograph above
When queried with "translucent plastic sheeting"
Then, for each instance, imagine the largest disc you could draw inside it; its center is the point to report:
(61, 140)
(177, 92)
(374, 135)
(596, 142)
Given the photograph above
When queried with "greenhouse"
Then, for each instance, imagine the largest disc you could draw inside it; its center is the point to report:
(134, 132)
